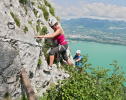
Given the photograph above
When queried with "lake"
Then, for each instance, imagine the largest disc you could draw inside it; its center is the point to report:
(100, 54)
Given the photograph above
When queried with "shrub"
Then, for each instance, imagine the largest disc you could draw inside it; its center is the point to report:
(90, 84)
(45, 12)
(16, 19)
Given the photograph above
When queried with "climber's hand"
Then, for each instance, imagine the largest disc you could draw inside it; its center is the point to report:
(42, 36)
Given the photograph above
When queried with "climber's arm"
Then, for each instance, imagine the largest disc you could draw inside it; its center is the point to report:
(57, 32)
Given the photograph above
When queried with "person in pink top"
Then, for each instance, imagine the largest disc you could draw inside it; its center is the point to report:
(58, 35)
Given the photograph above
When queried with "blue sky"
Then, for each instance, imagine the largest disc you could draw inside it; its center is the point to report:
(103, 9)
(112, 2)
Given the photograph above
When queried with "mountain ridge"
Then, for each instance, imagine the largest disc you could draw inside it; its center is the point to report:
(104, 31)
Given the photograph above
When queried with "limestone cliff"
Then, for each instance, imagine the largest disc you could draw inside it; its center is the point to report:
(20, 21)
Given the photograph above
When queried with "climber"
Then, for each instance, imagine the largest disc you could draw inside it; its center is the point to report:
(78, 59)
(58, 35)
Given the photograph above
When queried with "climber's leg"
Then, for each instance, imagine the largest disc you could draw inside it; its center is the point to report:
(65, 57)
(52, 55)
(51, 60)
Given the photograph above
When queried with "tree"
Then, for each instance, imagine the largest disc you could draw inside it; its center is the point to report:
(92, 84)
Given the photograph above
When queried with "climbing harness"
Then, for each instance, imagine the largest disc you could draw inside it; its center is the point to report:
(60, 46)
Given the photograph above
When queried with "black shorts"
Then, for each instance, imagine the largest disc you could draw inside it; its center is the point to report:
(60, 49)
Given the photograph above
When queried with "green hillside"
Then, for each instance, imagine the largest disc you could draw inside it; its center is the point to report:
(103, 31)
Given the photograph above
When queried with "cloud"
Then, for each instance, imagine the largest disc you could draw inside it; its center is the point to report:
(94, 10)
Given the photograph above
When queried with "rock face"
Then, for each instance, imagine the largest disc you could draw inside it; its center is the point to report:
(19, 23)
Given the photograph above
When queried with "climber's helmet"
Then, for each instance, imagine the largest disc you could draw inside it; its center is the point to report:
(78, 51)
(52, 21)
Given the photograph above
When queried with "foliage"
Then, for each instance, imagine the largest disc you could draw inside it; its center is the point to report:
(25, 29)
(35, 12)
(30, 22)
(33, 3)
(90, 84)
(16, 19)
(47, 3)
(38, 28)
(45, 49)
(23, 1)
(51, 9)
(41, 31)
(7, 96)
(24, 97)
(45, 12)
(44, 30)
(39, 62)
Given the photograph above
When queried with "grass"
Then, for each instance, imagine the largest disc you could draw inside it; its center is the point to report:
(38, 28)
(45, 12)
(16, 19)
(23, 1)
(47, 3)
(51, 9)
(7, 96)
(45, 49)
(25, 29)
(30, 22)
(24, 97)
(33, 3)
(43, 30)
(39, 62)
(35, 12)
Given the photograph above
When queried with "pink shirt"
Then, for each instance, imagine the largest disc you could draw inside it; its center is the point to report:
(61, 39)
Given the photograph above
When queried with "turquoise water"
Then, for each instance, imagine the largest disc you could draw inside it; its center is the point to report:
(101, 54)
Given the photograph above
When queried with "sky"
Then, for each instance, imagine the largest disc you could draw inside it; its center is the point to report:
(101, 9)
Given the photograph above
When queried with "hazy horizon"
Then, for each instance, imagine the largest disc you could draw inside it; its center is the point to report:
(96, 9)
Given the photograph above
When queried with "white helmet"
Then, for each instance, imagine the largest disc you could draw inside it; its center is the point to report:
(78, 51)
(52, 21)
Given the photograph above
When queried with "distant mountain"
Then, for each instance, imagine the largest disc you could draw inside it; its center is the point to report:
(104, 31)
